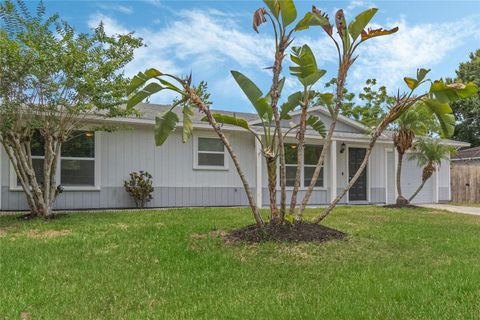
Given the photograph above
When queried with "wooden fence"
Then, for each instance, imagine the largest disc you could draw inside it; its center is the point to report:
(465, 182)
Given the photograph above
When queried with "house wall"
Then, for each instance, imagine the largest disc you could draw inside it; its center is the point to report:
(176, 183)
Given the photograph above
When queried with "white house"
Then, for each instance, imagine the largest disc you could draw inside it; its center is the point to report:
(200, 172)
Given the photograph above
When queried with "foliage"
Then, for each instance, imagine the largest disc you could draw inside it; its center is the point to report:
(51, 79)
(428, 151)
(429, 154)
(368, 108)
(467, 111)
(139, 187)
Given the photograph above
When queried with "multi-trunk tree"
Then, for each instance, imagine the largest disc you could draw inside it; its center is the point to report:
(281, 15)
(51, 80)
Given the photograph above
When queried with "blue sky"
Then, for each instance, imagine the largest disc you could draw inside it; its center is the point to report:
(210, 38)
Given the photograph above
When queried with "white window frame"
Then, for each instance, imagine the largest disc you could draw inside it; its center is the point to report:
(96, 187)
(196, 166)
(302, 173)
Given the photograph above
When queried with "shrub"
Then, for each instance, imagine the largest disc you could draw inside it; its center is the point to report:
(139, 187)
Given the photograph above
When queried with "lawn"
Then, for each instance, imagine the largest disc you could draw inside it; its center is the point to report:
(395, 264)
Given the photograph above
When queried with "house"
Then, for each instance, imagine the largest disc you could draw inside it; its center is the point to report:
(470, 156)
(200, 172)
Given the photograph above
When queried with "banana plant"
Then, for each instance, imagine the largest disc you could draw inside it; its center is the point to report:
(437, 101)
(350, 37)
(282, 15)
(152, 81)
(306, 71)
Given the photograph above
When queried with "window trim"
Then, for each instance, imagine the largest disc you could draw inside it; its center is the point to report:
(196, 166)
(97, 170)
(302, 173)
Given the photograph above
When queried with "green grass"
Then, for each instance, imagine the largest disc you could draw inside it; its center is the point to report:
(396, 264)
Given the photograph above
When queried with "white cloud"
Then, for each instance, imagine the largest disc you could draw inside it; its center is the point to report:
(390, 58)
(116, 7)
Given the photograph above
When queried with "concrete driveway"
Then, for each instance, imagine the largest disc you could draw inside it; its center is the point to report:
(458, 209)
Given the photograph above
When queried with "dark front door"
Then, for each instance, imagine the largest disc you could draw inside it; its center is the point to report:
(358, 192)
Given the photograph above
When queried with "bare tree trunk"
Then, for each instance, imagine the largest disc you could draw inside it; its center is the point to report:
(401, 200)
(300, 156)
(218, 130)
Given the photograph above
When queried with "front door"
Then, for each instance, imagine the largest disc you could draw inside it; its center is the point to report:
(358, 192)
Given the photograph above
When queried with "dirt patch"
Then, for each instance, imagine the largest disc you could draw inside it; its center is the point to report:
(298, 232)
(212, 234)
(47, 233)
(29, 216)
(401, 206)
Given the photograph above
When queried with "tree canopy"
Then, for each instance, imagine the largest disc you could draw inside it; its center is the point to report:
(467, 111)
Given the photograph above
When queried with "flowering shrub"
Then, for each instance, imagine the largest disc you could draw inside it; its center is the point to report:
(139, 187)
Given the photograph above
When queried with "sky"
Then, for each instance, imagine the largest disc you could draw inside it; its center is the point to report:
(211, 38)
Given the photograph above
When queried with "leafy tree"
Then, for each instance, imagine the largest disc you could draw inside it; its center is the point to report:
(369, 107)
(51, 80)
(429, 154)
(467, 111)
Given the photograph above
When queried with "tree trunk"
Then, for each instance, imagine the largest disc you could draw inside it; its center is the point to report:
(17, 147)
(360, 170)
(272, 186)
(300, 156)
(401, 200)
(275, 96)
(428, 171)
(420, 187)
(218, 130)
(327, 142)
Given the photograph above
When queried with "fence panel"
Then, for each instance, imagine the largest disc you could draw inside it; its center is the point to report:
(465, 183)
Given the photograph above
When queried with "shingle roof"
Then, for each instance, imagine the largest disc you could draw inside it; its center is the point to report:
(468, 153)
(150, 111)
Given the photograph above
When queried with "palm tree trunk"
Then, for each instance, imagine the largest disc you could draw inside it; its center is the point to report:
(420, 187)
(401, 200)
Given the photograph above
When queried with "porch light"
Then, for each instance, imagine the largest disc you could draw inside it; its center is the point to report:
(89, 134)
(342, 147)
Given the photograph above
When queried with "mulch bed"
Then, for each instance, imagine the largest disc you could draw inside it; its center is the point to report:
(298, 232)
(401, 206)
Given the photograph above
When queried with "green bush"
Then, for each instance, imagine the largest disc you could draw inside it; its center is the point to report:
(139, 187)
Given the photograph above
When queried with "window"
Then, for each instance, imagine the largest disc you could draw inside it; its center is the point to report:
(77, 164)
(210, 154)
(310, 159)
(77, 160)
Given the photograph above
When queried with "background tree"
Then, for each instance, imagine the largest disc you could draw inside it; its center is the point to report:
(429, 154)
(51, 80)
(467, 111)
(369, 107)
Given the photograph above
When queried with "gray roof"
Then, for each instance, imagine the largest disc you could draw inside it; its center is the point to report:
(150, 111)
(467, 153)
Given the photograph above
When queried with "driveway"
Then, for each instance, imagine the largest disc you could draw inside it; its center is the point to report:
(458, 209)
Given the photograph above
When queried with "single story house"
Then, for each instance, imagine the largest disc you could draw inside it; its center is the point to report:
(470, 156)
(200, 172)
